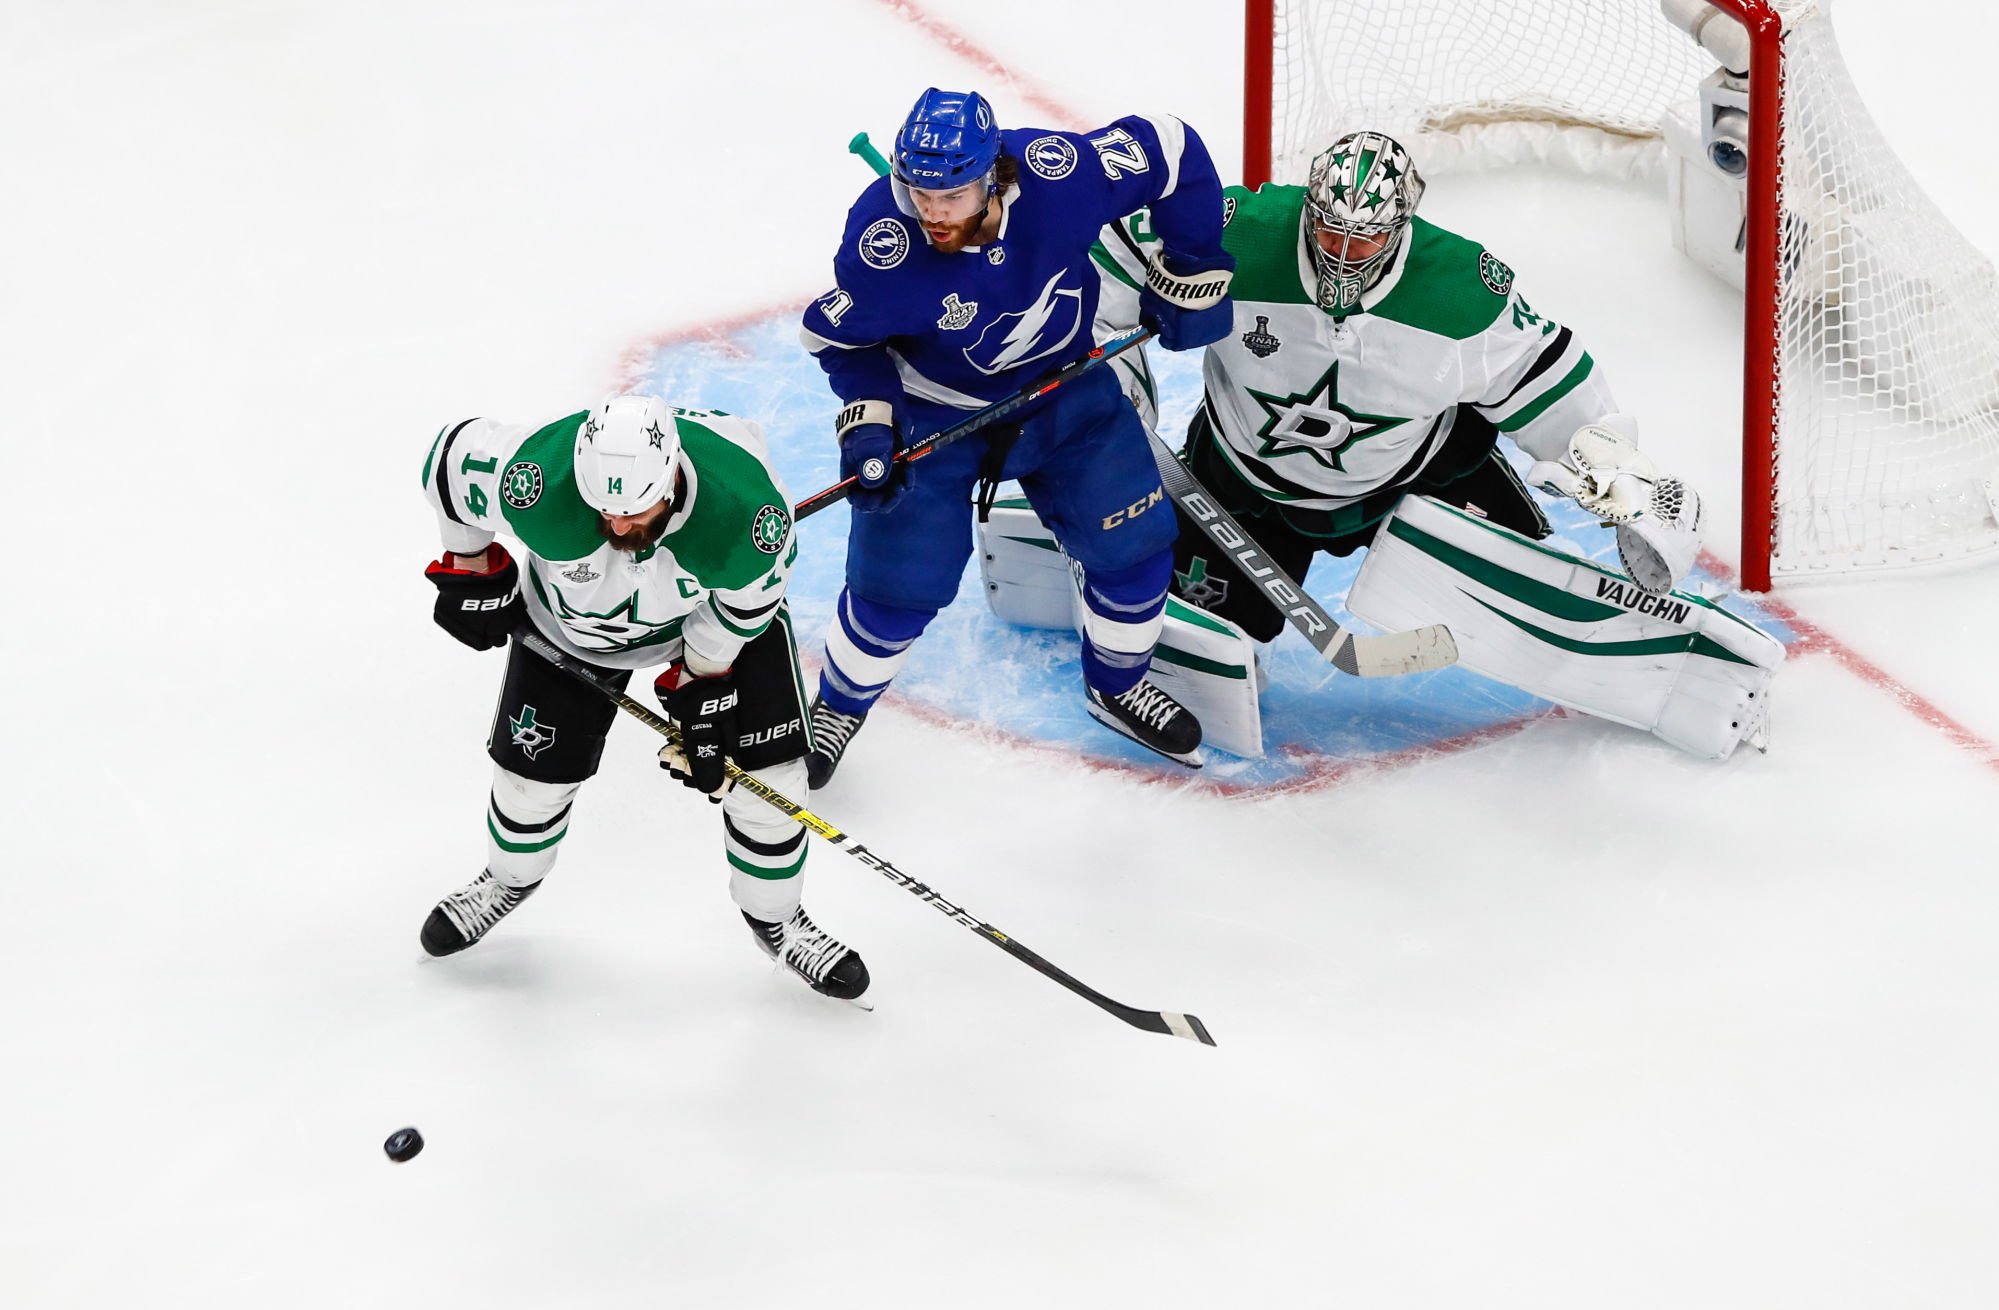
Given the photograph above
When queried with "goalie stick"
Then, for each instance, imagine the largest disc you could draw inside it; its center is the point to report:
(1152, 1021)
(1386, 655)
(1418, 650)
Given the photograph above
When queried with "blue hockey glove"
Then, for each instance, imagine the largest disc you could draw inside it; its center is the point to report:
(868, 446)
(1186, 301)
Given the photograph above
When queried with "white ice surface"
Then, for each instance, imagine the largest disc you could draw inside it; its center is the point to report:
(1562, 1020)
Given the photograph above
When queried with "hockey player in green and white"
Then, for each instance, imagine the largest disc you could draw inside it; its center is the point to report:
(1374, 361)
(649, 536)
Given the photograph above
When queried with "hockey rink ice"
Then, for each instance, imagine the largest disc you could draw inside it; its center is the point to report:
(1513, 1008)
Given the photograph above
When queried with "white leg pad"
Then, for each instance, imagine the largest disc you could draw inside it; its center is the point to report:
(1524, 613)
(777, 884)
(1204, 662)
(525, 824)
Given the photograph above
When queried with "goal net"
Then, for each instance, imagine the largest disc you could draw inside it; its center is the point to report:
(1871, 352)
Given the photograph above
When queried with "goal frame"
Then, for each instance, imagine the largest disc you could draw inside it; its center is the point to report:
(1762, 379)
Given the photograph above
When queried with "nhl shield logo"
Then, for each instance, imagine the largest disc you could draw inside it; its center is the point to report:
(533, 738)
(956, 314)
(1260, 341)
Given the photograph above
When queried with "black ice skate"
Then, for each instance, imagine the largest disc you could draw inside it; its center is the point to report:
(1153, 719)
(828, 965)
(466, 915)
(831, 731)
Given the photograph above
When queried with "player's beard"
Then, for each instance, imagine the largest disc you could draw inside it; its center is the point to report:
(633, 540)
(961, 235)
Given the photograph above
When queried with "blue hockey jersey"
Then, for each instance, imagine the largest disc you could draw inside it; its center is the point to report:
(962, 330)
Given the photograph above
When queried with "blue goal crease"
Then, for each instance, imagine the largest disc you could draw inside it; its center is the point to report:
(973, 667)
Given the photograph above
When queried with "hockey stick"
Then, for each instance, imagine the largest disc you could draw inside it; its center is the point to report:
(1415, 651)
(991, 414)
(1152, 1021)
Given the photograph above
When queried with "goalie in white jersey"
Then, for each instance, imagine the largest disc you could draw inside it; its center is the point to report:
(1376, 357)
(649, 535)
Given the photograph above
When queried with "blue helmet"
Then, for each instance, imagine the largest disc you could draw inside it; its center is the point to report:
(949, 139)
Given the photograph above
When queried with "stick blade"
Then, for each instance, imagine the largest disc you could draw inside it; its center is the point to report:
(1163, 1021)
(1393, 654)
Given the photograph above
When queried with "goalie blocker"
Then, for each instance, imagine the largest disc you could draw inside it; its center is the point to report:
(1673, 664)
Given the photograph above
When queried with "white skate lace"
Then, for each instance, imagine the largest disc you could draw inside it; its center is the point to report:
(1149, 705)
(808, 949)
(832, 730)
(478, 907)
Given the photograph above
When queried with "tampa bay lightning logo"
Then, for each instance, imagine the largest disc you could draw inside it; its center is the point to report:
(1052, 157)
(884, 244)
(1040, 330)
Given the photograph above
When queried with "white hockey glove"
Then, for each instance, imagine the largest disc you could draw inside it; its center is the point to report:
(1657, 517)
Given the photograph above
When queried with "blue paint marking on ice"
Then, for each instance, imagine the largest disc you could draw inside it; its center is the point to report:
(972, 667)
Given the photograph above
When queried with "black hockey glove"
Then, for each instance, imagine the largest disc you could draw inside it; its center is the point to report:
(478, 608)
(705, 710)
(1185, 301)
(868, 446)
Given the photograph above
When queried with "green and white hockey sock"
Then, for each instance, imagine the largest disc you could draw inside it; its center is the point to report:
(525, 821)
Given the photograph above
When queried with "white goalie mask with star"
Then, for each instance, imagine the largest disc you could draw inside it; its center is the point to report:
(1359, 198)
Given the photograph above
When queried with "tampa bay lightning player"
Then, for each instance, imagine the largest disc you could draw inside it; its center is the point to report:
(962, 276)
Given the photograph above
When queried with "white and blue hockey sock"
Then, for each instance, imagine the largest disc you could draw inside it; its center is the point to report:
(866, 646)
(1123, 611)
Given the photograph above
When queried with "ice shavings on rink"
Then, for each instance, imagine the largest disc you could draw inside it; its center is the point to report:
(976, 672)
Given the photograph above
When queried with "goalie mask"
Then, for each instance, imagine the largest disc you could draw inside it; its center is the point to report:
(626, 453)
(1358, 202)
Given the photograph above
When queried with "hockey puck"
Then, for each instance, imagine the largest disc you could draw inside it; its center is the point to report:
(403, 1144)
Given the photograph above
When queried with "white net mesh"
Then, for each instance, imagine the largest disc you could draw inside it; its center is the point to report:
(1888, 423)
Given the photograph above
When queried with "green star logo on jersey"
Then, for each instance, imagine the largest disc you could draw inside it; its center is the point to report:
(619, 627)
(1314, 423)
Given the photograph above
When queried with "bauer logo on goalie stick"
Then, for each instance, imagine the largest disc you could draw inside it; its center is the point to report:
(521, 485)
(1052, 157)
(884, 244)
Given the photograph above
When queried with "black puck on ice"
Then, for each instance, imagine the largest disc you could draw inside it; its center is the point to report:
(403, 1144)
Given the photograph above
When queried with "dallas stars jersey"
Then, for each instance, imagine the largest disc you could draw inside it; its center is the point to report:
(1316, 411)
(965, 329)
(711, 583)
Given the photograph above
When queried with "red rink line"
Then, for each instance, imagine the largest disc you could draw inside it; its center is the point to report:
(969, 50)
(1814, 640)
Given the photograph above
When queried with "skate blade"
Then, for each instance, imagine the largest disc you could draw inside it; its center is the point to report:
(1193, 759)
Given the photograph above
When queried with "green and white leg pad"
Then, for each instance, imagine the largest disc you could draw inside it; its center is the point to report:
(1206, 663)
(1570, 631)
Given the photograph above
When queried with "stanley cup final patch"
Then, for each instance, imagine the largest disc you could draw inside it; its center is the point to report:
(769, 529)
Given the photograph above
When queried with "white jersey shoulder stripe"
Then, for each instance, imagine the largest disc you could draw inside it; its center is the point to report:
(1172, 144)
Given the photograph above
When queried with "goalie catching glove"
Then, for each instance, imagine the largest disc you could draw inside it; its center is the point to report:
(704, 708)
(1658, 518)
